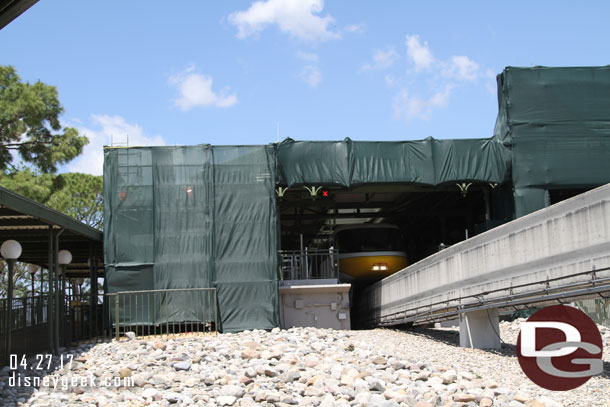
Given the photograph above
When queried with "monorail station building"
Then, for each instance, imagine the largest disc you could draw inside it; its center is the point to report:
(243, 219)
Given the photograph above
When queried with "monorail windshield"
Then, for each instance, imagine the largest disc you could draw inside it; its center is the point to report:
(369, 240)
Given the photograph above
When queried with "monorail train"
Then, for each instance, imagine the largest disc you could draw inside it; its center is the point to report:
(369, 252)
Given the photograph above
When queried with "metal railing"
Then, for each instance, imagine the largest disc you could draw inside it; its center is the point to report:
(26, 311)
(85, 322)
(448, 309)
(28, 326)
(309, 264)
(159, 312)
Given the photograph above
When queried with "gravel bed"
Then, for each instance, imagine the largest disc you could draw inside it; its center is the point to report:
(300, 366)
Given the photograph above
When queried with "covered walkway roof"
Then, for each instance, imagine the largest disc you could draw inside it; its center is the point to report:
(31, 224)
(11, 9)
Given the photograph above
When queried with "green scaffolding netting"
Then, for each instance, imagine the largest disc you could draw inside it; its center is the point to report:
(204, 216)
(429, 162)
(557, 123)
(193, 217)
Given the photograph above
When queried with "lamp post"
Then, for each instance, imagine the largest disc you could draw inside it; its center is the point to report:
(10, 250)
(64, 257)
(92, 262)
(32, 269)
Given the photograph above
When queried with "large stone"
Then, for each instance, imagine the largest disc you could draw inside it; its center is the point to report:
(184, 365)
(487, 402)
(250, 354)
(125, 372)
(226, 400)
(464, 397)
(376, 385)
(347, 380)
(379, 360)
(172, 397)
(273, 397)
(449, 376)
(151, 393)
(548, 402)
(521, 397)
(159, 345)
(232, 390)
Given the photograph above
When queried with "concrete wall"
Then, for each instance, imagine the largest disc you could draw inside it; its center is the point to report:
(321, 306)
(570, 237)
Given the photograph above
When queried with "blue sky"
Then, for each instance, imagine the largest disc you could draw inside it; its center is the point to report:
(228, 72)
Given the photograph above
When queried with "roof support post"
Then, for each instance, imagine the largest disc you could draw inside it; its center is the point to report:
(58, 298)
(93, 264)
(9, 310)
(50, 302)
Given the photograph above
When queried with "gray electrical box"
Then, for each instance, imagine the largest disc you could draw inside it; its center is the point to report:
(319, 305)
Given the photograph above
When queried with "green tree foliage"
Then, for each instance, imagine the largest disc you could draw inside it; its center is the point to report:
(26, 182)
(21, 281)
(79, 196)
(75, 194)
(29, 125)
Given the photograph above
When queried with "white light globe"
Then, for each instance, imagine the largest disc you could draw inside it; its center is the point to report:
(79, 281)
(32, 269)
(64, 257)
(10, 249)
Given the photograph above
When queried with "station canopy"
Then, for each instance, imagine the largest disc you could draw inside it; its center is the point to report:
(33, 225)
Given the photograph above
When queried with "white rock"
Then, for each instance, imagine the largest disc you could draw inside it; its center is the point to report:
(232, 390)
(226, 400)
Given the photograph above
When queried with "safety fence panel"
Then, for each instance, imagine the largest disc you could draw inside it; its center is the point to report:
(162, 312)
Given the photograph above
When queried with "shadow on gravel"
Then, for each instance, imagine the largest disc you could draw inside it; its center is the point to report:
(452, 338)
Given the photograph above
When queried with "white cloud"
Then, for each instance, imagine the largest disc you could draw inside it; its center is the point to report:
(306, 56)
(105, 128)
(431, 80)
(412, 106)
(195, 90)
(354, 28)
(419, 53)
(298, 18)
(382, 59)
(462, 68)
(390, 80)
(311, 75)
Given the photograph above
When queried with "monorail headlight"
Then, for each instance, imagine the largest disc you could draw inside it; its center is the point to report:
(380, 267)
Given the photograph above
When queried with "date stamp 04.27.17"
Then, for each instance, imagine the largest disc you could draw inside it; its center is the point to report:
(32, 373)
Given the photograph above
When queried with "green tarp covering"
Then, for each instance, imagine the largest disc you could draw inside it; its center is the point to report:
(429, 162)
(194, 217)
(557, 123)
(204, 216)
